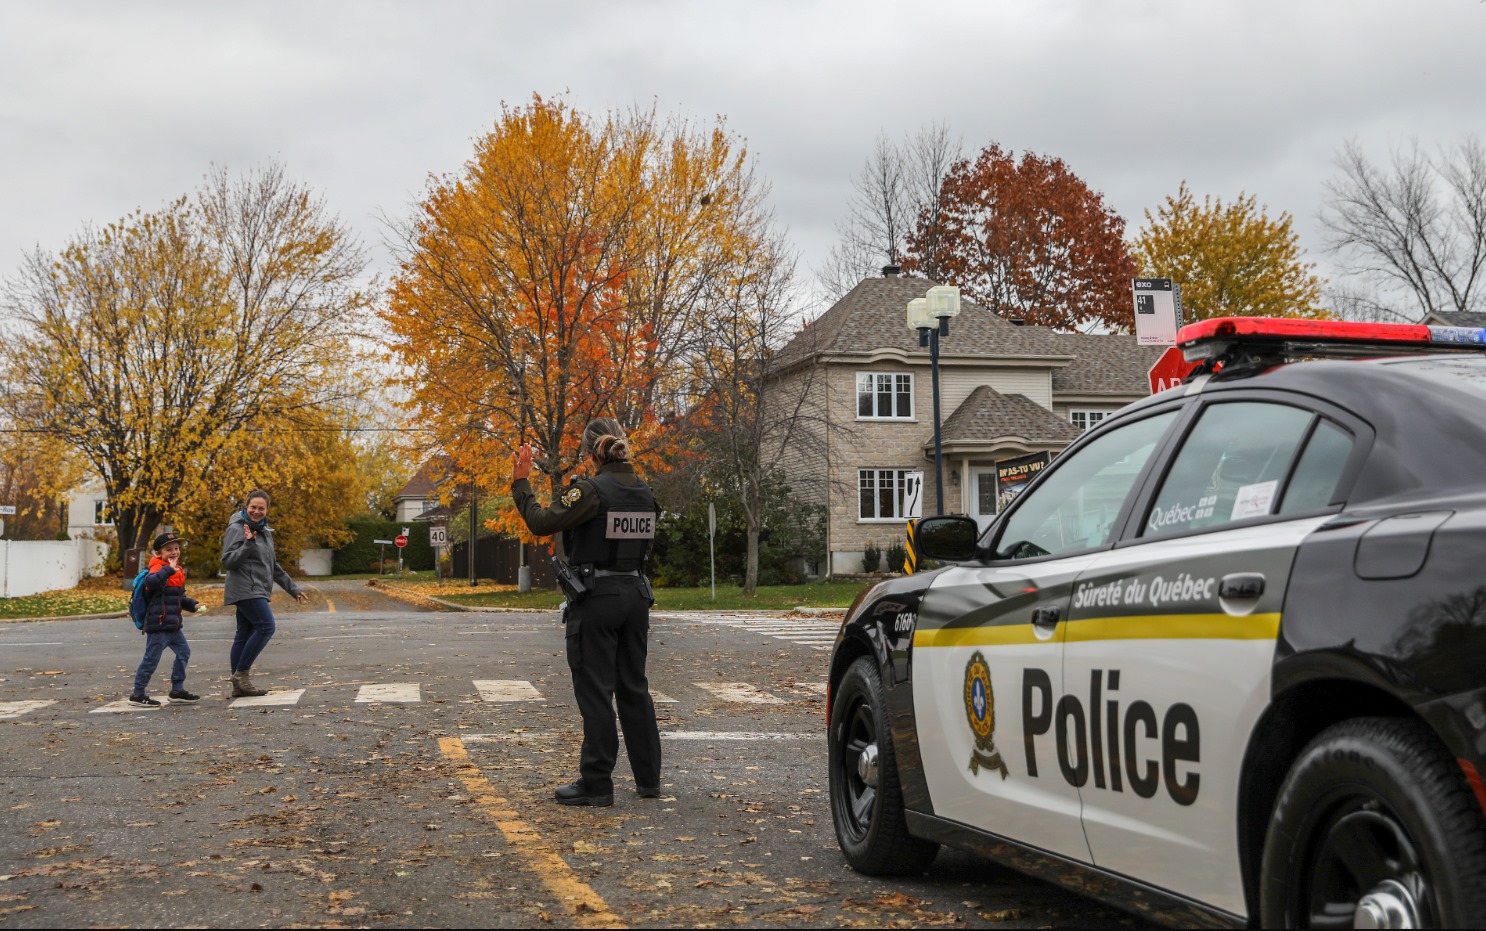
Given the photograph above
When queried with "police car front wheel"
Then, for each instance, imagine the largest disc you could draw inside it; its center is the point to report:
(1374, 827)
(866, 799)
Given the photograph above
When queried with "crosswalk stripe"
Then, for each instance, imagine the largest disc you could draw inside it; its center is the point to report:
(406, 692)
(739, 692)
(14, 709)
(507, 690)
(272, 699)
(114, 707)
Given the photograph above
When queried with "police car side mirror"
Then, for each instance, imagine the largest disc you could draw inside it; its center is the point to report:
(948, 538)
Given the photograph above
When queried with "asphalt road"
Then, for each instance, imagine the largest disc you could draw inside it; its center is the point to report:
(409, 783)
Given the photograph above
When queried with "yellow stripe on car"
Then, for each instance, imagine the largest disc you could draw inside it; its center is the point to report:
(1130, 627)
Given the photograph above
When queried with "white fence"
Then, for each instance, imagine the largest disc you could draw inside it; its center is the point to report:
(315, 562)
(31, 566)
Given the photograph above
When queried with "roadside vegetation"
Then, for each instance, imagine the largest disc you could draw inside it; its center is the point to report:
(729, 597)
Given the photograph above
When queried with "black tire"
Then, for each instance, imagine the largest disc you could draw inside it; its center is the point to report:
(1374, 807)
(870, 824)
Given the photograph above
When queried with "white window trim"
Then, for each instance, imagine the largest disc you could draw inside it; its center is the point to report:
(100, 509)
(1101, 413)
(856, 397)
(880, 520)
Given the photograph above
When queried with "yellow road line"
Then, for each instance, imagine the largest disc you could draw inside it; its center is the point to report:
(585, 905)
(1131, 627)
(330, 603)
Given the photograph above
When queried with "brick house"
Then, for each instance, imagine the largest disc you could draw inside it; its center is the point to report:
(1006, 390)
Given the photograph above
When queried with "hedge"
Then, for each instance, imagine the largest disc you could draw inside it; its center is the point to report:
(361, 554)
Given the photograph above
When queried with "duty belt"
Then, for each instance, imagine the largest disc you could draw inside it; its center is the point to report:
(602, 573)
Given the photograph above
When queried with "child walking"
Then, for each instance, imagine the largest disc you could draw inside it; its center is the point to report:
(166, 600)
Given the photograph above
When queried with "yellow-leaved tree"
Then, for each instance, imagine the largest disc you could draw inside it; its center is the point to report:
(156, 346)
(1230, 260)
(563, 275)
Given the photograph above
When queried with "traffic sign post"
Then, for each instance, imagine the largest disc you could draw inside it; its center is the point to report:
(401, 540)
(1170, 370)
(382, 555)
(438, 538)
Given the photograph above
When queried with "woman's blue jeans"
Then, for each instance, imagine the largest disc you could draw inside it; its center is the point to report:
(255, 628)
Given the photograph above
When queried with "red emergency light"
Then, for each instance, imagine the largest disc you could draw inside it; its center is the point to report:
(1211, 339)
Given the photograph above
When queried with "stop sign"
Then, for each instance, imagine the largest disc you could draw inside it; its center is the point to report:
(401, 539)
(1169, 370)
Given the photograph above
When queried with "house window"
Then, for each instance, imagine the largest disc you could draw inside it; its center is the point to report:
(884, 395)
(1084, 419)
(100, 512)
(881, 493)
(427, 505)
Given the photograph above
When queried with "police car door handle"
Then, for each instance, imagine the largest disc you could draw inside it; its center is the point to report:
(1046, 617)
(1241, 585)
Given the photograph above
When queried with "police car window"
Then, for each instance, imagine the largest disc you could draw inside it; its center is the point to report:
(1320, 467)
(1075, 506)
(1229, 468)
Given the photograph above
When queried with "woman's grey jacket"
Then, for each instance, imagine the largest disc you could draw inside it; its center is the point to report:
(250, 564)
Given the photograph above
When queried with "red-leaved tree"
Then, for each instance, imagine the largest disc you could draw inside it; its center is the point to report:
(1030, 240)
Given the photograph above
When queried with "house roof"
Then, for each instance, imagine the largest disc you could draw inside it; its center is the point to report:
(988, 415)
(1105, 364)
(870, 318)
(424, 483)
(1461, 318)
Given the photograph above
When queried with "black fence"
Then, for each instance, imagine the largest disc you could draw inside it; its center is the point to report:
(497, 560)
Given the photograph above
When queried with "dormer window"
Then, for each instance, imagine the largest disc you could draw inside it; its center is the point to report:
(884, 395)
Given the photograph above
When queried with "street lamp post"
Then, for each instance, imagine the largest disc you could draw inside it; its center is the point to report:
(930, 316)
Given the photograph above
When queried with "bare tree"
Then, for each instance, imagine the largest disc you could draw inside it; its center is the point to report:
(1413, 232)
(749, 425)
(897, 188)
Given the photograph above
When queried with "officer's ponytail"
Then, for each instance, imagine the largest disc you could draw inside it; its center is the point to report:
(604, 440)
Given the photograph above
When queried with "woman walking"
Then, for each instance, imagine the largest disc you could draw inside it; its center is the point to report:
(248, 557)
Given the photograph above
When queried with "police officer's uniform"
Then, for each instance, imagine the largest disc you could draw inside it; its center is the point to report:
(607, 629)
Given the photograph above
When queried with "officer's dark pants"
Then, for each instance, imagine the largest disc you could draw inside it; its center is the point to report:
(606, 641)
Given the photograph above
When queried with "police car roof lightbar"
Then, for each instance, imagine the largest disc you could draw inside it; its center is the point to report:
(1213, 339)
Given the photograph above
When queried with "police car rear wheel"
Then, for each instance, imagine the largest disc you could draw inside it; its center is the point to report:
(866, 799)
(1374, 827)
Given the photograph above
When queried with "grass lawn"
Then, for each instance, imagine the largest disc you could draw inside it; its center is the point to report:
(92, 596)
(729, 598)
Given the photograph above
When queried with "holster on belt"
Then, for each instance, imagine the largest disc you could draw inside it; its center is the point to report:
(571, 583)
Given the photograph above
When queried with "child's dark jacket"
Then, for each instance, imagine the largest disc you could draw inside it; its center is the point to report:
(165, 597)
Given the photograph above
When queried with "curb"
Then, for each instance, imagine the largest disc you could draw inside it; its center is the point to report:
(64, 617)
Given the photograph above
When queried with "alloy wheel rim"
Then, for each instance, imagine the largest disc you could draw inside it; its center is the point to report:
(1365, 871)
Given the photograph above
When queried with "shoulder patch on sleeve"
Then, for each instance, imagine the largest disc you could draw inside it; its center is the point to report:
(572, 496)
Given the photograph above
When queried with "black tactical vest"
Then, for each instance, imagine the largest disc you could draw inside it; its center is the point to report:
(620, 536)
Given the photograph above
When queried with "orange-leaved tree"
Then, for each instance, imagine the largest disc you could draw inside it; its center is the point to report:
(560, 276)
(1029, 239)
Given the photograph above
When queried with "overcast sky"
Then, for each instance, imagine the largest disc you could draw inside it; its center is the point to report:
(108, 107)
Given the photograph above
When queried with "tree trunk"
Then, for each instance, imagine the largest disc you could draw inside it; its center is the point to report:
(750, 571)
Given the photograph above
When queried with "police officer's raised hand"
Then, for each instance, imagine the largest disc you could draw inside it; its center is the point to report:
(521, 462)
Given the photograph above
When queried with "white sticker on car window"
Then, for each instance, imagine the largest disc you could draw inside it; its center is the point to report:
(1253, 500)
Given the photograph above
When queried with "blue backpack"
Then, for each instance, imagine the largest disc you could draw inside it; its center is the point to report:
(138, 603)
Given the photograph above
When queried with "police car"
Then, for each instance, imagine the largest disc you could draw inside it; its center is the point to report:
(1222, 664)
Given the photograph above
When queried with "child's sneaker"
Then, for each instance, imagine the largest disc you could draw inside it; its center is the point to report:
(143, 701)
(183, 697)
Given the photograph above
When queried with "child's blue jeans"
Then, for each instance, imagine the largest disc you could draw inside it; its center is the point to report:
(154, 646)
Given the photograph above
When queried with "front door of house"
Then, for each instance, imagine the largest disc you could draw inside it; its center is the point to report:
(983, 496)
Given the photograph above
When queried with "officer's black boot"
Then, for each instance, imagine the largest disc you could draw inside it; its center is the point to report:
(574, 793)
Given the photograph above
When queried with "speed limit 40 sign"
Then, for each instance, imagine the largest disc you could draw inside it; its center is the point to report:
(438, 534)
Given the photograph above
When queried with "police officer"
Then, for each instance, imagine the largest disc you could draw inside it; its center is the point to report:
(607, 522)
